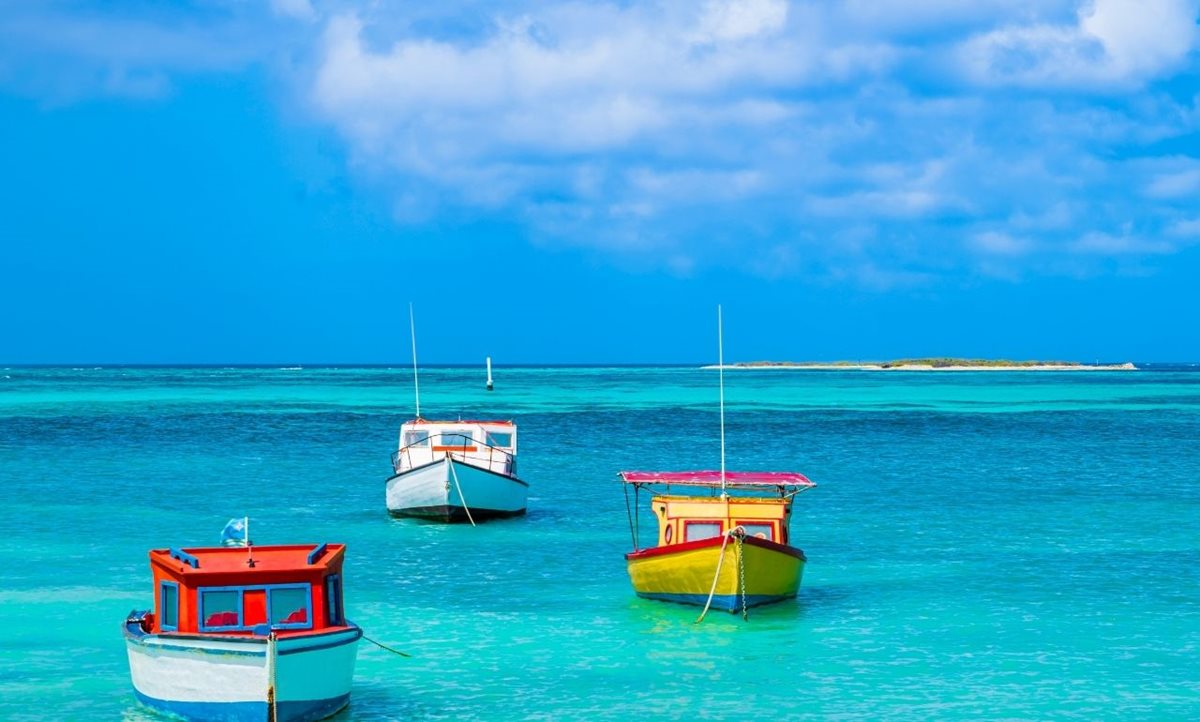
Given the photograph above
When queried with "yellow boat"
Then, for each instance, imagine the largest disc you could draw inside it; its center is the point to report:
(719, 551)
(713, 549)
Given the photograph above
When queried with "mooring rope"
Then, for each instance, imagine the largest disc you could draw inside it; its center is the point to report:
(741, 555)
(272, 702)
(386, 648)
(463, 499)
(720, 560)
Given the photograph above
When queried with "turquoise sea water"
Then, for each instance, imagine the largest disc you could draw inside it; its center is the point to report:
(981, 546)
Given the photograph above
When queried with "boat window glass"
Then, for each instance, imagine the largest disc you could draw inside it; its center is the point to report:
(455, 437)
(289, 606)
(762, 530)
(168, 606)
(696, 530)
(220, 609)
(416, 438)
(333, 599)
(498, 438)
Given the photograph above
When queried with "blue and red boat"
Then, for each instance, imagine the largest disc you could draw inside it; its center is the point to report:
(256, 633)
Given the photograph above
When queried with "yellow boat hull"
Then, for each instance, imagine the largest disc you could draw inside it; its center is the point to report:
(684, 572)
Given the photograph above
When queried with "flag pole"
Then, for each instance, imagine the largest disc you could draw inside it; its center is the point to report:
(249, 548)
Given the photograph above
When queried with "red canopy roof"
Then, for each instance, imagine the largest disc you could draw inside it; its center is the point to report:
(713, 478)
(414, 422)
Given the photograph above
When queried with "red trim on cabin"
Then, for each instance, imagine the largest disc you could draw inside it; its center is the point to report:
(455, 448)
(715, 542)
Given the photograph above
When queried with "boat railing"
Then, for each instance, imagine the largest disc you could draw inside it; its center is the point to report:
(494, 456)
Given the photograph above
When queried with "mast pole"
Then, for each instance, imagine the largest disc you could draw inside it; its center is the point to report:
(721, 376)
(412, 328)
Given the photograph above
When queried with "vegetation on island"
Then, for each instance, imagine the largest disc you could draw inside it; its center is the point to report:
(972, 362)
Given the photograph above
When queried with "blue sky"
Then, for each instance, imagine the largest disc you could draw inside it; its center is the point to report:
(256, 182)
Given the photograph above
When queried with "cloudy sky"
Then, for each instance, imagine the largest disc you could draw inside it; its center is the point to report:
(240, 181)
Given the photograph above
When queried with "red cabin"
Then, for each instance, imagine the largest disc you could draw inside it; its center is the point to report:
(290, 589)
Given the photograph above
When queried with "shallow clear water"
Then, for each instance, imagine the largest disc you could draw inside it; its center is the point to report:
(981, 545)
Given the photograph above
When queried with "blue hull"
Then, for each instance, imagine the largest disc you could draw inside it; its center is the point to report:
(247, 711)
(724, 602)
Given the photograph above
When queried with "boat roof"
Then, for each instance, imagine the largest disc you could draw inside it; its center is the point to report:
(225, 560)
(735, 479)
(429, 422)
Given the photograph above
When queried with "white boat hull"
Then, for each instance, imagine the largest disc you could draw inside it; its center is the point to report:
(209, 677)
(445, 489)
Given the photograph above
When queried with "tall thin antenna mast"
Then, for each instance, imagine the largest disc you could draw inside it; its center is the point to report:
(412, 327)
(721, 376)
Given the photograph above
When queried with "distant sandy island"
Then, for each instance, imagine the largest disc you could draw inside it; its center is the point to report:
(932, 364)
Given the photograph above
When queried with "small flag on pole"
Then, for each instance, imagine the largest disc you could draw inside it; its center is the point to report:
(236, 533)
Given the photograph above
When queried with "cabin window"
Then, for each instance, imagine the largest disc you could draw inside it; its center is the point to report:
(220, 609)
(168, 606)
(416, 438)
(455, 437)
(762, 530)
(697, 530)
(502, 439)
(289, 607)
(333, 599)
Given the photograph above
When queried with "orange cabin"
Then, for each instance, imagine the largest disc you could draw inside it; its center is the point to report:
(288, 589)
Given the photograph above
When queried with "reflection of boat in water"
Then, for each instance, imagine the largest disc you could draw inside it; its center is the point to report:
(456, 471)
(732, 552)
(715, 549)
(241, 634)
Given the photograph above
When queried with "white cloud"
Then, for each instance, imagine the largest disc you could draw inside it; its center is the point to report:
(63, 57)
(1189, 228)
(751, 129)
(296, 9)
(1141, 37)
(1112, 42)
(1001, 244)
(580, 78)
(829, 140)
(1182, 183)
(740, 19)
(1056, 217)
(1106, 244)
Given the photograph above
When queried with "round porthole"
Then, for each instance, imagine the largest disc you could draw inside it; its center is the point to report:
(669, 533)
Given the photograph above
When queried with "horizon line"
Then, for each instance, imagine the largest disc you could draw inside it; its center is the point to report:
(531, 364)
